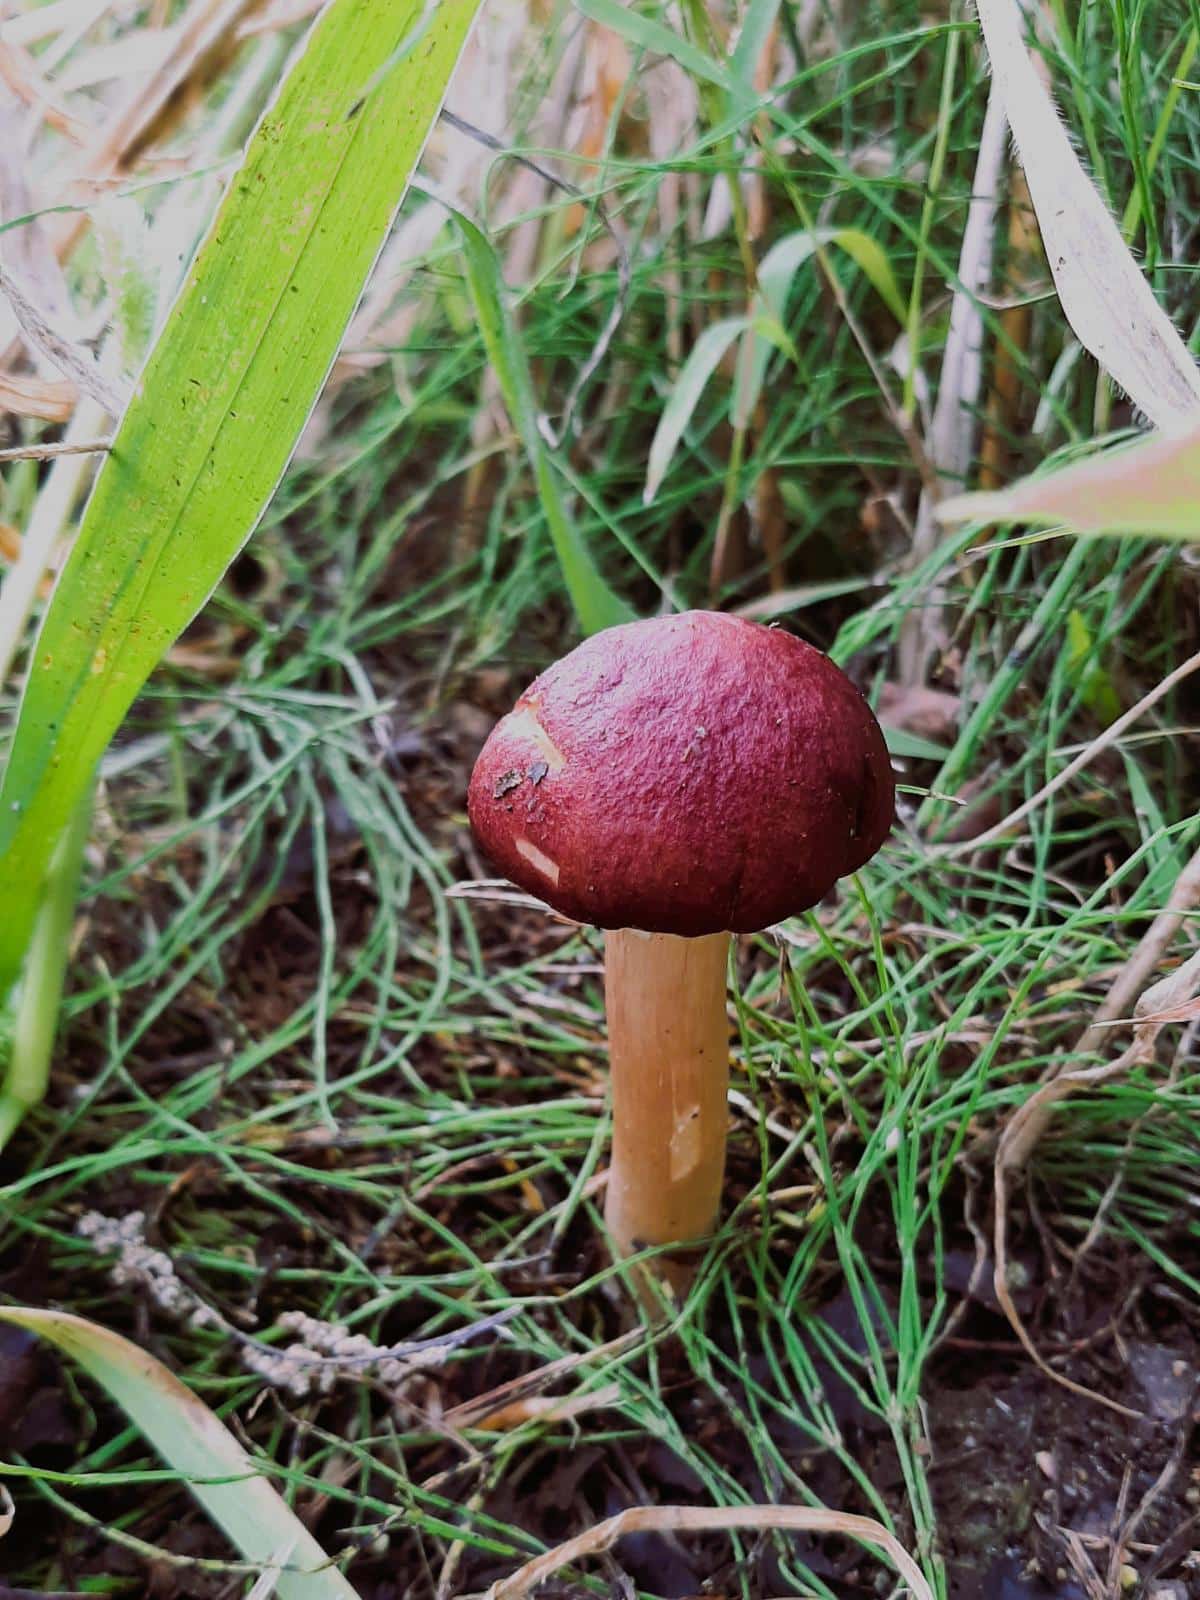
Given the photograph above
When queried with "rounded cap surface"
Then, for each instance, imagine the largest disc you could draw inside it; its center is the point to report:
(685, 775)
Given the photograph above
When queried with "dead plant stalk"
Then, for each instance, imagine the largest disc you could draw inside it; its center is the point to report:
(705, 1519)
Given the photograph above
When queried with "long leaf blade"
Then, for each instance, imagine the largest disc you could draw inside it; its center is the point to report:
(201, 1448)
(596, 605)
(222, 400)
(649, 34)
(703, 360)
(776, 273)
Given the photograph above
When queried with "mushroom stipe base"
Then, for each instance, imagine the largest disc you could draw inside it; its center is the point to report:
(668, 1041)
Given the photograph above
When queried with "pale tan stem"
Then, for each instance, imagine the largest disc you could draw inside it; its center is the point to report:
(668, 1042)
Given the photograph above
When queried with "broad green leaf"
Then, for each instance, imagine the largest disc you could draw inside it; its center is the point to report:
(222, 400)
(595, 604)
(1149, 487)
(200, 1448)
(655, 36)
(703, 360)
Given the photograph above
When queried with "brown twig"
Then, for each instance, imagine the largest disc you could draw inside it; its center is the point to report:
(47, 452)
(1127, 1529)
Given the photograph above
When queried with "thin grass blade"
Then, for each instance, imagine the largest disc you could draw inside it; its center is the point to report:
(776, 274)
(757, 22)
(761, 332)
(200, 1447)
(596, 605)
(703, 360)
(222, 400)
(785, 258)
(649, 34)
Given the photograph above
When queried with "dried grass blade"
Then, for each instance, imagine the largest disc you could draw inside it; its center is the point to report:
(707, 1519)
(1104, 296)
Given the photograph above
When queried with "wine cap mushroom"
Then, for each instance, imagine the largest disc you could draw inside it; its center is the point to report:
(689, 774)
(675, 782)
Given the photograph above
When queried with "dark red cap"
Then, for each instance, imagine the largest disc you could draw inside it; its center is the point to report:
(684, 775)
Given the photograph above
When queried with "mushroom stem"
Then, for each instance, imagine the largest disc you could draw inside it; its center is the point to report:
(668, 1042)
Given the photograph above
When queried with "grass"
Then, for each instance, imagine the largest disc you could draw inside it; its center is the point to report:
(332, 1088)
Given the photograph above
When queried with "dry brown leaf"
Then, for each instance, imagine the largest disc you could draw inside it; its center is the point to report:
(47, 399)
(506, 1395)
(930, 713)
(282, 14)
(546, 1409)
(606, 69)
(1187, 1011)
(60, 346)
(192, 50)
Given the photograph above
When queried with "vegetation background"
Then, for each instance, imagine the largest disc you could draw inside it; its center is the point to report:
(750, 290)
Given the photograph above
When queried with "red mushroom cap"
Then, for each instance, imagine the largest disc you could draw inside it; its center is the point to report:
(685, 775)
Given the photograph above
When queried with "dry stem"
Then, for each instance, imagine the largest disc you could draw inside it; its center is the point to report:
(704, 1519)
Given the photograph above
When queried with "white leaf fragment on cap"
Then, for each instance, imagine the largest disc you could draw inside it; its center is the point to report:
(538, 859)
(523, 724)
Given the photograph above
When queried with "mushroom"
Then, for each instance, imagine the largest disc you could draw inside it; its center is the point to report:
(675, 782)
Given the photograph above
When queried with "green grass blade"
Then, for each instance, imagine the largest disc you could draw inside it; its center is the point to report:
(222, 401)
(757, 22)
(761, 332)
(595, 604)
(776, 274)
(703, 360)
(785, 258)
(648, 34)
(201, 1448)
